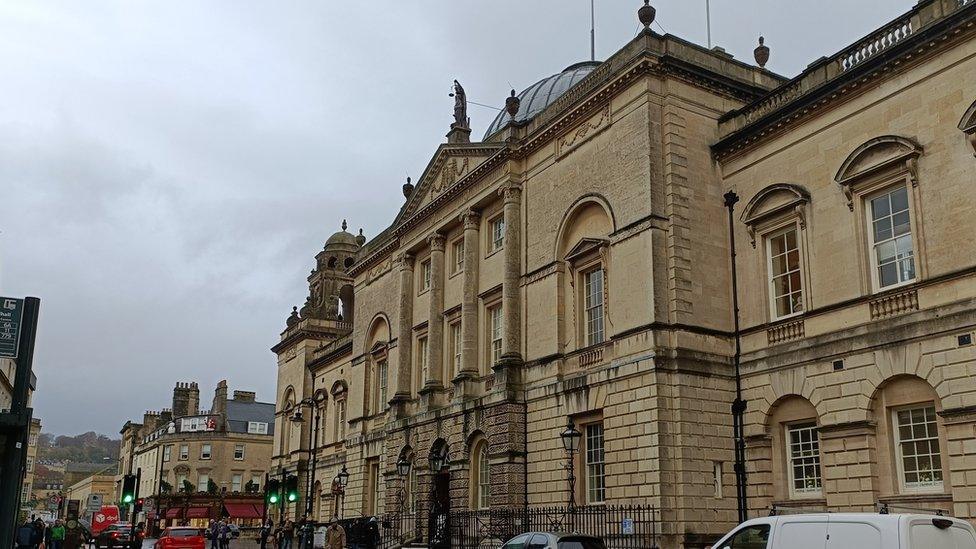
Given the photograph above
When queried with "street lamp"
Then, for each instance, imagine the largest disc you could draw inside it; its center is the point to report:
(339, 490)
(571, 441)
(438, 459)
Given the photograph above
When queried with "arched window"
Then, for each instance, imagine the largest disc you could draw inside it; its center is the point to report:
(480, 475)
(795, 433)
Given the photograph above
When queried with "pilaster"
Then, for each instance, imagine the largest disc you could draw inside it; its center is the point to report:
(433, 385)
(464, 381)
(404, 263)
(511, 358)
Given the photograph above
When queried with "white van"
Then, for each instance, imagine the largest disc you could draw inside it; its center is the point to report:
(851, 531)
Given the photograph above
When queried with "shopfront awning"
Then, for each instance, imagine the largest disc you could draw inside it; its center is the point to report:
(241, 510)
(198, 512)
(175, 513)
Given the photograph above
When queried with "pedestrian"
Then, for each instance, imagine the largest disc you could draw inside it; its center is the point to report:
(265, 534)
(214, 531)
(287, 534)
(38, 540)
(335, 536)
(276, 538)
(224, 535)
(57, 535)
(25, 536)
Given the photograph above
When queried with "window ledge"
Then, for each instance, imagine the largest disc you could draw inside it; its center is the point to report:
(493, 252)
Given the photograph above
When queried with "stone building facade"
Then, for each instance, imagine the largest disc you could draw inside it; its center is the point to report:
(185, 450)
(575, 265)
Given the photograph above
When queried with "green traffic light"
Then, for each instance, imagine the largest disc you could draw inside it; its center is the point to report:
(273, 498)
(292, 496)
(127, 498)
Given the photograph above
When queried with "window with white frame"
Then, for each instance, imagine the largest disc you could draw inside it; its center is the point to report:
(32, 441)
(457, 256)
(184, 452)
(205, 451)
(455, 347)
(917, 446)
(382, 381)
(785, 280)
(892, 251)
(237, 482)
(180, 482)
(256, 482)
(803, 459)
(257, 427)
(593, 305)
(482, 497)
(203, 481)
(595, 464)
(239, 452)
(422, 360)
(495, 333)
(425, 275)
(496, 234)
(167, 452)
(30, 464)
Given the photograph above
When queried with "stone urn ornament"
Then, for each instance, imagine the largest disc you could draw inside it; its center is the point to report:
(761, 53)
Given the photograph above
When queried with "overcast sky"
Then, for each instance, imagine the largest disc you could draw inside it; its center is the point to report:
(168, 170)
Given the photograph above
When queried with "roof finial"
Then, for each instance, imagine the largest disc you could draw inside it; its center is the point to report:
(761, 53)
(646, 14)
(512, 104)
(344, 224)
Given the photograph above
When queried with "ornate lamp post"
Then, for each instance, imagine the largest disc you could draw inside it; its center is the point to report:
(571, 441)
(403, 470)
(339, 490)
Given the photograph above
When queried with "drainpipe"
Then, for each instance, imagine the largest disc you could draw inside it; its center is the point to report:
(738, 405)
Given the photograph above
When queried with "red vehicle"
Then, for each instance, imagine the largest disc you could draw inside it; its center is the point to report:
(180, 537)
(103, 518)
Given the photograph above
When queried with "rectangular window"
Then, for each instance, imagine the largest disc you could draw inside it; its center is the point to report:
(256, 483)
(422, 360)
(455, 348)
(239, 452)
(413, 490)
(484, 478)
(203, 481)
(917, 442)
(340, 426)
(184, 452)
(495, 333)
(497, 236)
(181, 482)
(457, 256)
(717, 478)
(382, 374)
(595, 480)
(30, 464)
(785, 282)
(803, 456)
(593, 292)
(425, 275)
(237, 482)
(32, 441)
(167, 452)
(205, 450)
(373, 485)
(257, 427)
(891, 238)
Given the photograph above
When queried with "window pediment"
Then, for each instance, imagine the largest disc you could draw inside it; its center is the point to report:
(585, 247)
(882, 156)
(773, 202)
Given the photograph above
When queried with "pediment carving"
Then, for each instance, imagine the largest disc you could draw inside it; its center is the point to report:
(881, 156)
(773, 202)
(584, 247)
(450, 164)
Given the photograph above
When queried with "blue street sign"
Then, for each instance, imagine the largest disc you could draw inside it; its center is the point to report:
(11, 314)
(627, 526)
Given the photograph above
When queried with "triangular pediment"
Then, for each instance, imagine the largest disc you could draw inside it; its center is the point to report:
(585, 246)
(449, 165)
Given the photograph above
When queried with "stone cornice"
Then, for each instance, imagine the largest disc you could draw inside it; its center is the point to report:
(837, 79)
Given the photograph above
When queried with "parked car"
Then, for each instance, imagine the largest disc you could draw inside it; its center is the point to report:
(851, 530)
(552, 540)
(176, 537)
(115, 535)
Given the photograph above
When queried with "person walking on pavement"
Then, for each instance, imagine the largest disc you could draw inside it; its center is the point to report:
(266, 530)
(287, 534)
(335, 536)
(25, 536)
(224, 535)
(57, 535)
(214, 531)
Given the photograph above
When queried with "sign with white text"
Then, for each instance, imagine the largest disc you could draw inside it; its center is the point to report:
(11, 315)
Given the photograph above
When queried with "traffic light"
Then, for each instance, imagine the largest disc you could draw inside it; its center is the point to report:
(139, 503)
(128, 489)
(291, 488)
(272, 490)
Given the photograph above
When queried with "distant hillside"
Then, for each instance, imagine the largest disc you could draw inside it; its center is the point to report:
(89, 447)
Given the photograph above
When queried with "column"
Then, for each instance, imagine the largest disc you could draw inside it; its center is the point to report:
(404, 335)
(469, 300)
(511, 304)
(435, 320)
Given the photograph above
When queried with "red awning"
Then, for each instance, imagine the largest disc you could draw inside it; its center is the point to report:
(198, 512)
(174, 513)
(241, 510)
(259, 509)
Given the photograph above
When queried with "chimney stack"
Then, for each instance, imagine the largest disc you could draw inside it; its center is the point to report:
(244, 396)
(220, 399)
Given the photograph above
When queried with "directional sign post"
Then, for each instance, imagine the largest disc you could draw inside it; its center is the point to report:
(11, 316)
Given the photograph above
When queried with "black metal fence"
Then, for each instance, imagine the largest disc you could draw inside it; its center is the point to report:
(621, 527)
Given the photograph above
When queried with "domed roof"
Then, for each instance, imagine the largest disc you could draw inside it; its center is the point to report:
(342, 238)
(543, 93)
